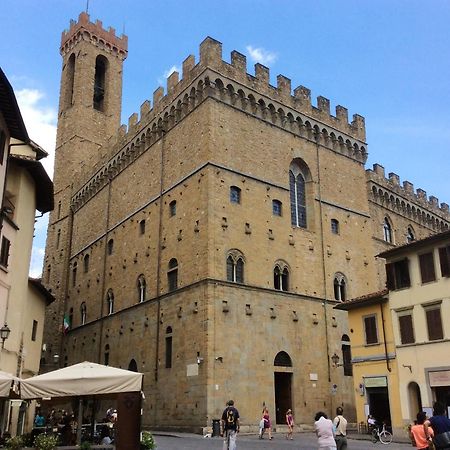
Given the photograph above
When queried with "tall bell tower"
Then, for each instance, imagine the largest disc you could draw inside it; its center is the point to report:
(89, 115)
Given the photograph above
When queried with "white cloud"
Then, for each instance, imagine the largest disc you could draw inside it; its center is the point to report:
(37, 256)
(261, 55)
(162, 79)
(40, 122)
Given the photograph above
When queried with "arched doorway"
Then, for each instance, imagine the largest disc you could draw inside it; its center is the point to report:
(132, 366)
(283, 385)
(414, 399)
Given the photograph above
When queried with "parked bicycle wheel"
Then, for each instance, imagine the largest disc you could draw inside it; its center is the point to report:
(374, 435)
(385, 437)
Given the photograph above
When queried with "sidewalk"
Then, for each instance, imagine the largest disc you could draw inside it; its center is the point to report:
(350, 435)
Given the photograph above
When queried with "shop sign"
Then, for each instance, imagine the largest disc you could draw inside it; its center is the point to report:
(374, 382)
(439, 378)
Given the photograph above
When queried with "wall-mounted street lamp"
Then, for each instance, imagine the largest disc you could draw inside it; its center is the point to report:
(335, 360)
(4, 334)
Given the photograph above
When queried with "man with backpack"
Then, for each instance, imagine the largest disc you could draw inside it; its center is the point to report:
(230, 426)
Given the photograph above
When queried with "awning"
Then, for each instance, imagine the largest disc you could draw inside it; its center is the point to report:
(85, 378)
(5, 383)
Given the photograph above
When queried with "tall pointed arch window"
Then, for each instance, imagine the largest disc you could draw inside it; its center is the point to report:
(168, 347)
(110, 302)
(410, 235)
(281, 276)
(235, 267)
(347, 356)
(298, 172)
(74, 273)
(141, 286)
(340, 287)
(101, 64)
(86, 263)
(387, 231)
(83, 313)
(70, 78)
(172, 275)
(106, 355)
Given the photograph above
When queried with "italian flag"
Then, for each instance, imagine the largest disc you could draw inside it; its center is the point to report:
(66, 324)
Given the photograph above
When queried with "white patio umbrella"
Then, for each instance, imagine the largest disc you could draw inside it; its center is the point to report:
(5, 383)
(81, 379)
(85, 378)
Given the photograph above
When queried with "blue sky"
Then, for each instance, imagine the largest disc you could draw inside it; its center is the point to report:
(387, 60)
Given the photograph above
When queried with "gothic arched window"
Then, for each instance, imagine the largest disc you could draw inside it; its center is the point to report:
(83, 313)
(141, 285)
(172, 275)
(298, 173)
(235, 267)
(387, 231)
(340, 287)
(281, 277)
(101, 64)
(110, 302)
(410, 236)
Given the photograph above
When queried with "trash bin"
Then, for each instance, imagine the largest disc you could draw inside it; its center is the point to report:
(216, 427)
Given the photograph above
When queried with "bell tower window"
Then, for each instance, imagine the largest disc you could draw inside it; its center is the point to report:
(100, 83)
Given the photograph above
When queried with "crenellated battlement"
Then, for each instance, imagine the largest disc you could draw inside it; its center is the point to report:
(402, 197)
(235, 75)
(84, 29)
(229, 83)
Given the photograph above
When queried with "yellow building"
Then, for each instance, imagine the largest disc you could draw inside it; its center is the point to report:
(26, 188)
(418, 277)
(373, 359)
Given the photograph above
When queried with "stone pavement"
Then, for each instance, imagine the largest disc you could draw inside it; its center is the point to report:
(305, 441)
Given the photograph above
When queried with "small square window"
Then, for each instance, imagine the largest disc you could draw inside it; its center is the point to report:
(34, 330)
(335, 226)
(276, 207)
(173, 208)
(235, 194)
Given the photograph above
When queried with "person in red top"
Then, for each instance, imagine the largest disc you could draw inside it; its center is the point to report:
(417, 432)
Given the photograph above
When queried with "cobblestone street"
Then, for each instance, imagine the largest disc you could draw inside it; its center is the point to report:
(305, 441)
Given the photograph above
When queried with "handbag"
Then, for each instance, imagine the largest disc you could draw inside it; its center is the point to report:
(442, 440)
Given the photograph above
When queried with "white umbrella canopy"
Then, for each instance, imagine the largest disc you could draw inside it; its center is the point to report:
(5, 383)
(85, 378)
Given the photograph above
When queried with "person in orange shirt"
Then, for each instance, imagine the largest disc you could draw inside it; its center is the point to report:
(417, 432)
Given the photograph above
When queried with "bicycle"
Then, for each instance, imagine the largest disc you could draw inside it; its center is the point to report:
(384, 436)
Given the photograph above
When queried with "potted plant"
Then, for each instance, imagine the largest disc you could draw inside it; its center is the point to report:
(147, 441)
(14, 443)
(85, 445)
(45, 442)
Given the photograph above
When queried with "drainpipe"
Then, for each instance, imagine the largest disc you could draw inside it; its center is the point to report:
(105, 255)
(384, 339)
(324, 274)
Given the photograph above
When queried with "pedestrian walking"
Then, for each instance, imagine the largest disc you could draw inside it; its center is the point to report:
(440, 424)
(416, 432)
(340, 425)
(324, 431)
(290, 424)
(265, 421)
(230, 426)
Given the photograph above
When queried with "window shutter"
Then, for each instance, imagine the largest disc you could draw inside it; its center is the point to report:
(426, 263)
(371, 330)
(390, 276)
(444, 257)
(406, 329)
(434, 324)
